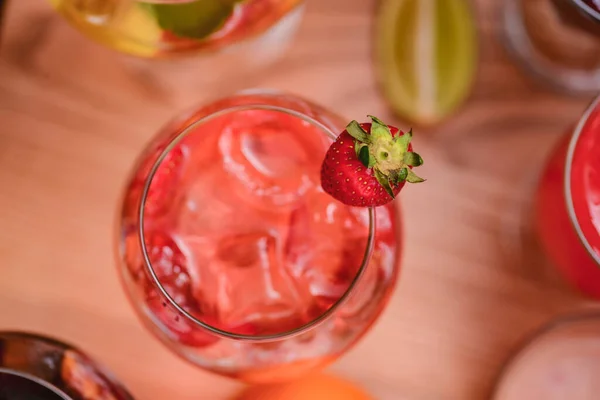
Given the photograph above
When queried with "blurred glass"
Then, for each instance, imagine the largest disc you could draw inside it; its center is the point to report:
(560, 362)
(34, 367)
(167, 28)
(18, 386)
(567, 205)
(557, 41)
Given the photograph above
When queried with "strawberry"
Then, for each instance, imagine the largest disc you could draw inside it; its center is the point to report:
(170, 265)
(369, 164)
(179, 327)
(163, 185)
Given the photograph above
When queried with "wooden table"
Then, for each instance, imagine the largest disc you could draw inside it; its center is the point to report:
(73, 115)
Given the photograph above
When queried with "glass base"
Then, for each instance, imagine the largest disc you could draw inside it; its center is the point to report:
(560, 78)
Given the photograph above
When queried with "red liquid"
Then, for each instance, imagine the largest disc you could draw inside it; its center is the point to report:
(555, 227)
(242, 236)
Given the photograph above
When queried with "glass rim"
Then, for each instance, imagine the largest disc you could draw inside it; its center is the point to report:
(588, 9)
(537, 334)
(148, 264)
(568, 193)
(32, 378)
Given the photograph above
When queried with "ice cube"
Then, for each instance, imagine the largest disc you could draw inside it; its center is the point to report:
(208, 208)
(271, 156)
(319, 248)
(251, 284)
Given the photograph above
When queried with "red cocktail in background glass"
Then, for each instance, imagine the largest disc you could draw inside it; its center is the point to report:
(568, 205)
(233, 255)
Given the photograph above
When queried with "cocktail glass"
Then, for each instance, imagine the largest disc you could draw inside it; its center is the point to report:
(560, 361)
(35, 367)
(190, 43)
(556, 40)
(232, 254)
(567, 205)
(165, 28)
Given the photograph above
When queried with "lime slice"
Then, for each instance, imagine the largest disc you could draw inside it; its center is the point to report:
(145, 32)
(194, 20)
(426, 55)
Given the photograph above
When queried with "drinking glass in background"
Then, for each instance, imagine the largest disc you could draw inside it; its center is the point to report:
(567, 204)
(233, 255)
(34, 367)
(556, 40)
(561, 361)
(210, 39)
(166, 28)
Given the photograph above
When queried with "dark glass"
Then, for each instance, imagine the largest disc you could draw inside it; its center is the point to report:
(593, 4)
(573, 13)
(31, 363)
(16, 386)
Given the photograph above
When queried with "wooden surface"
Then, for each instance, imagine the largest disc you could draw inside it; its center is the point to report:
(73, 115)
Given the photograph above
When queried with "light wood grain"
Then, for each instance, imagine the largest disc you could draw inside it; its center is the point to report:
(73, 116)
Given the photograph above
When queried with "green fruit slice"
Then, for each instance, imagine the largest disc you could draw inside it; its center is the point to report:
(194, 20)
(426, 56)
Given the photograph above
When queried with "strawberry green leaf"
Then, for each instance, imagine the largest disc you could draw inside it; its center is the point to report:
(357, 132)
(413, 159)
(398, 176)
(358, 147)
(379, 130)
(383, 181)
(363, 156)
(195, 20)
(377, 120)
(372, 161)
(402, 175)
(413, 178)
(403, 141)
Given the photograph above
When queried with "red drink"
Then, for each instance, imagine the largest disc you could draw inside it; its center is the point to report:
(255, 258)
(568, 205)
